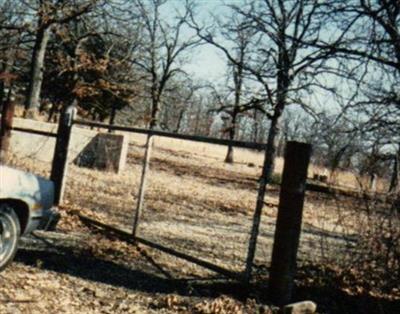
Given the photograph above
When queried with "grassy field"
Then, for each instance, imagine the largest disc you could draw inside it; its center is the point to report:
(196, 204)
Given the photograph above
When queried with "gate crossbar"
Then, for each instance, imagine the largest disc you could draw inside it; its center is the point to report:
(123, 235)
(195, 138)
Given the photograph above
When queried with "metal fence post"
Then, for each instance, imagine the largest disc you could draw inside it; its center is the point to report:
(288, 225)
(7, 116)
(60, 159)
(143, 182)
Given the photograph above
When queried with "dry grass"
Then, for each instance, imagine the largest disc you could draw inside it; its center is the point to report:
(245, 157)
(197, 203)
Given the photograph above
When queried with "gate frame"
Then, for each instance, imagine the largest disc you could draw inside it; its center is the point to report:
(252, 245)
(60, 165)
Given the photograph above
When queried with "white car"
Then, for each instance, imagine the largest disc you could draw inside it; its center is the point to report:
(26, 204)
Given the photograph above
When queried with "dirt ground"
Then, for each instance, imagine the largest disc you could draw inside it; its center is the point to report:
(196, 205)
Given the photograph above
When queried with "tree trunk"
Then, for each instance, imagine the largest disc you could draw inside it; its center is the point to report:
(6, 127)
(197, 122)
(281, 145)
(395, 180)
(180, 119)
(94, 118)
(272, 146)
(3, 68)
(36, 72)
(155, 110)
(268, 168)
(256, 127)
(229, 155)
(154, 118)
(52, 112)
(112, 117)
(372, 182)
(238, 81)
(232, 131)
(5, 84)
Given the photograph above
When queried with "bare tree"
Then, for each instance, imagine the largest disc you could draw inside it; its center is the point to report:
(49, 14)
(373, 41)
(233, 38)
(395, 179)
(284, 63)
(12, 31)
(161, 52)
(286, 66)
(200, 114)
(179, 98)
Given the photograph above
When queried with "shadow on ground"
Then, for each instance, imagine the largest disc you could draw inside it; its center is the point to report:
(334, 301)
(325, 291)
(153, 279)
(145, 275)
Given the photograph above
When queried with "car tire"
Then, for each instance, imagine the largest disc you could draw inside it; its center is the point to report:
(10, 232)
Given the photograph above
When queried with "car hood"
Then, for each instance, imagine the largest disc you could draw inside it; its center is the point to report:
(35, 191)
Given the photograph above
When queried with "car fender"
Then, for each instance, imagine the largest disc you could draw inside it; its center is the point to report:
(35, 191)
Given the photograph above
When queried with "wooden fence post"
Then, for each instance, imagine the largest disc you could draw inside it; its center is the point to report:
(60, 159)
(143, 181)
(7, 116)
(288, 225)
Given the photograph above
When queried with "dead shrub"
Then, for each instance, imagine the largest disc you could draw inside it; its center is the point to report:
(374, 263)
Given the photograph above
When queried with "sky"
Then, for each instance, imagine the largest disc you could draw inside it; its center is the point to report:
(207, 62)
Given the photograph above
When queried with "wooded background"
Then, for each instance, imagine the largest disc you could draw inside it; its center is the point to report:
(323, 72)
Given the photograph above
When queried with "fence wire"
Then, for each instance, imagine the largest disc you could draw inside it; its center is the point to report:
(198, 204)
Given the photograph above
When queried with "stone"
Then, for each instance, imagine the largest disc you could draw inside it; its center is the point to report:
(303, 307)
(105, 152)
